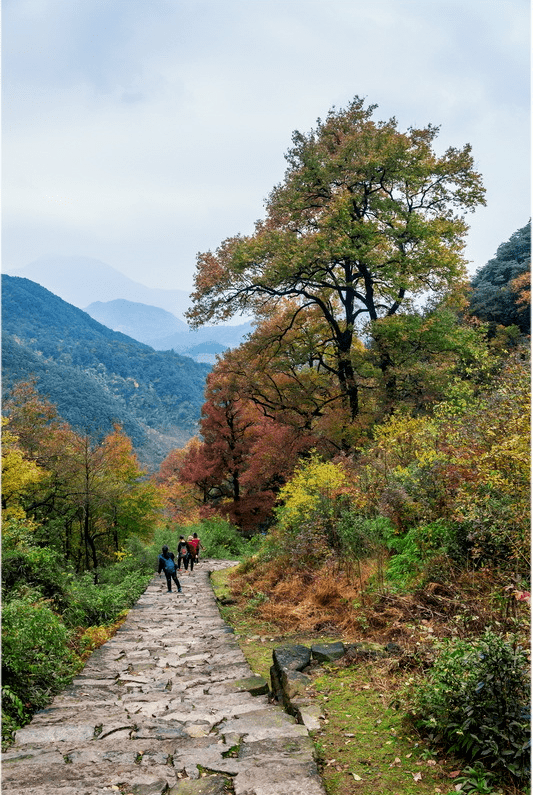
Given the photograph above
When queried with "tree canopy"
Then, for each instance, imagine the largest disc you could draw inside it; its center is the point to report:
(367, 219)
(500, 290)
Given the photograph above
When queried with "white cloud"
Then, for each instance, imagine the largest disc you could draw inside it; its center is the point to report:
(140, 132)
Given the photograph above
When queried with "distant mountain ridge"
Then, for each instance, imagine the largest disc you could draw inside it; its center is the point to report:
(163, 331)
(97, 376)
(82, 281)
(142, 322)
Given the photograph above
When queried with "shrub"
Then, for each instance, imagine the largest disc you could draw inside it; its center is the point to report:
(92, 605)
(38, 568)
(220, 539)
(476, 702)
(36, 659)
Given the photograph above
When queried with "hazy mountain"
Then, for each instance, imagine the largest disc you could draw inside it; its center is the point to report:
(225, 336)
(143, 323)
(163, 331)
(97, 376)
(82, 281)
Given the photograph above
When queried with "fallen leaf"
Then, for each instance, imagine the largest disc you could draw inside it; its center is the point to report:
(417, 776)
(408, 756)
(454, 774)
(458, 787)
(431, 762)
(349, 734)
(356, 777)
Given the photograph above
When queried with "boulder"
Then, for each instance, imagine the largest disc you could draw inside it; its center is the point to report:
(327, 652)
(293, 658)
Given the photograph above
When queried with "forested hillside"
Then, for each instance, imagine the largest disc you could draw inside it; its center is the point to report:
(96, 376)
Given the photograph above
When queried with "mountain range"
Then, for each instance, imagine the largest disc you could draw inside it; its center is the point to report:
(97, 376)
(81, 281)
(164, 331)
(149, 315)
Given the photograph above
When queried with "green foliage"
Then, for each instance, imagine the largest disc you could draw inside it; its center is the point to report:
(36, 659)
(90, 604)
(39, 568)
(220, 539)
(416, 549)
(475, 701)
(493, 297)
(476, 779)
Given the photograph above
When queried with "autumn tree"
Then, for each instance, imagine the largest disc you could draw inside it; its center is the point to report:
(243, 457)
(367, 220)
(90, 495)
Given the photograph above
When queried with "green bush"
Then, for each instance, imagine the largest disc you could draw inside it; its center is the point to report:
(35, 567)
(221, 540)
(476, 702)
(36, 659)
(93, 605)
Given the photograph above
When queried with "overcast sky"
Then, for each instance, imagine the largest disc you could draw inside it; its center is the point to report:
(139, 132)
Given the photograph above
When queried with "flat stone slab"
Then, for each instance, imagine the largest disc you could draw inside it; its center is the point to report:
(158, 711)
(46, 735)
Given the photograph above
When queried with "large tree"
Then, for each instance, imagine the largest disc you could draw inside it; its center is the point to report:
(367, 220)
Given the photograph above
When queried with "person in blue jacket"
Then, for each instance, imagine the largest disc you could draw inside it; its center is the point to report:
(168, 566)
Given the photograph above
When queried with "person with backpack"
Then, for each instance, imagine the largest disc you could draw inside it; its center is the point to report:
(168, 566)
(183, 551)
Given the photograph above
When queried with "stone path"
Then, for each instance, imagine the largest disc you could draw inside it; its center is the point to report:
(165, 706)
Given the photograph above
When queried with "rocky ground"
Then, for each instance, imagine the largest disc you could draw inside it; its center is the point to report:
(168, 705)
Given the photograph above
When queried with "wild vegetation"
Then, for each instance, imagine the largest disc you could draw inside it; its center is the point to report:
(365, 453)
(376, 425)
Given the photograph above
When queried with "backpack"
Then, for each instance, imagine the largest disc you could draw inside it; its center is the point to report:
(184, 550)
(169, 565)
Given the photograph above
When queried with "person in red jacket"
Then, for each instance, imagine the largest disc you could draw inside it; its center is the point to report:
(194, 545)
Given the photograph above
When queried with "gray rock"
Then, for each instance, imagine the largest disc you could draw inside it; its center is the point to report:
(294, 658)
(210, 785)
(255, 685)
(327, 652)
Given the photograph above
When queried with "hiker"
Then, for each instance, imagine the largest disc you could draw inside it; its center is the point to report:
(167, 564)
(190, 557)
(194, 545)
(183, 551)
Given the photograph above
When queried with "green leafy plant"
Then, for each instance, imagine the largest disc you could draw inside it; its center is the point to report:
(36, 659)
(91, 605)
(476, 779)
(475, 701)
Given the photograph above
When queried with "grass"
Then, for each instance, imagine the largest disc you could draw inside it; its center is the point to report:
(363, 747)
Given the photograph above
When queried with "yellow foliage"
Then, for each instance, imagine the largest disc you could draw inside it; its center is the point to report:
(312, 481)
(18, 476)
